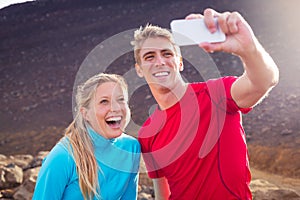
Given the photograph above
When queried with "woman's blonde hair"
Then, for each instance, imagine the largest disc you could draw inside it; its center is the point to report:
(81, 145)
(151, 31)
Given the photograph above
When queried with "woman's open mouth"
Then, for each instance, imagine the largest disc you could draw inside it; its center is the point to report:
(114, 122)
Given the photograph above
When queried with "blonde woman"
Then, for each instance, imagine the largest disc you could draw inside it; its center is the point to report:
(95, 159)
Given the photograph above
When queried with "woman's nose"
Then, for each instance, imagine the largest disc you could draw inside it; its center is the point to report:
(114, 106)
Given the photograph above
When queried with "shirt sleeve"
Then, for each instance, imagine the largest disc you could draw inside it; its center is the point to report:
(132, 187)
(228, 81)
(220, 92)
(54, 174)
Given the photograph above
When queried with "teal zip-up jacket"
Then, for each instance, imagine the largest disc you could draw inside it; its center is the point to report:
(117, 158)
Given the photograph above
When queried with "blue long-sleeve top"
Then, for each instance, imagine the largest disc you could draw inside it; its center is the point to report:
(117, 158)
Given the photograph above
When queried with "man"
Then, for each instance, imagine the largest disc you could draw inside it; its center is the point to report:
(194, 144)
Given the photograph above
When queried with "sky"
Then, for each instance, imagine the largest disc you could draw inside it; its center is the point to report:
(4, 3)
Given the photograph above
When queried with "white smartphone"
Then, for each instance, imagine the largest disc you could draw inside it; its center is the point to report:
(194, 31)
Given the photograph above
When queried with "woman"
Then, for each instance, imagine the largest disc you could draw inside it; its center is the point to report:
(95, 159)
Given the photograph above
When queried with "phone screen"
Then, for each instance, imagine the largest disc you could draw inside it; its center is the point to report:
(194, 31)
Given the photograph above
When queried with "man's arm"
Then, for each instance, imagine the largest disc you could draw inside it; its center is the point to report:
(260, 76)
(260, 71)
(161, 188)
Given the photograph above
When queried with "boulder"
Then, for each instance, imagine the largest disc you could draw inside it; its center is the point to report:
(263, 190)
(11, 176)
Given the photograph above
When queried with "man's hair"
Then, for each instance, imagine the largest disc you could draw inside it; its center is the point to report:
(151, 31)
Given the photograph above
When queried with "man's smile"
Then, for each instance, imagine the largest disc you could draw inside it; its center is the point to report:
(161, 74)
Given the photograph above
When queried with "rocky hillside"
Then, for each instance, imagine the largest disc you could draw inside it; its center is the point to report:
(44, 46)
(19, 174)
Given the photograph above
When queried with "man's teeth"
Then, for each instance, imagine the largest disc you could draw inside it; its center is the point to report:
(114, 119)
(161, 74)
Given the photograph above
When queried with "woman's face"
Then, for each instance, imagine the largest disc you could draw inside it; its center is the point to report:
(108, 112)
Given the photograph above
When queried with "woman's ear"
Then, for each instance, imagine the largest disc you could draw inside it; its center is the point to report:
(138, 70)
(84, 113)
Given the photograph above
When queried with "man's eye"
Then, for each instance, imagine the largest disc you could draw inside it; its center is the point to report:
(149, 57)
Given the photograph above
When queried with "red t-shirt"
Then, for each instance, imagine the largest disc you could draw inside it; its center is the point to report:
(199, 144)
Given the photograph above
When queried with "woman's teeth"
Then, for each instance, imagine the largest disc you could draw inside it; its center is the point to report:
(113, 120)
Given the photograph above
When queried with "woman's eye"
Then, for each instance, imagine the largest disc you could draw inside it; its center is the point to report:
(168, 54)
(122, 99)
(104, 101)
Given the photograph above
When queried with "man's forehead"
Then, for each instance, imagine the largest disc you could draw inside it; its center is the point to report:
(157, 43)
(152, 48)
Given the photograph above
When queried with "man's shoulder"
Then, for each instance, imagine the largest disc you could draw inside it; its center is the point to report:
(213, 83)
(214, 80)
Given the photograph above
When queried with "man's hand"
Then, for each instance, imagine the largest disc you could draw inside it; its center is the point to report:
(240, 39)
(260, 71)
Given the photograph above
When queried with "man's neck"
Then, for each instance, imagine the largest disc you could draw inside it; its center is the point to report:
(166, 98)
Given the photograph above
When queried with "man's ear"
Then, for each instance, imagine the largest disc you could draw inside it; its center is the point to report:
(138, 70)
(180, 64)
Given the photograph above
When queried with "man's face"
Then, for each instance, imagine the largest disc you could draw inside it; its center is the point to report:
(160, 65)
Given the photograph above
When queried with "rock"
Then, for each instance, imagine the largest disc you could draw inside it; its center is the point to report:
(19, 184)
(22, 161)
(30, 177)
(22, 194)
(37, 161)
(7, 193)
(263, 190)
(148, 190)
(11, 176)
(2, 157)
(144, 196)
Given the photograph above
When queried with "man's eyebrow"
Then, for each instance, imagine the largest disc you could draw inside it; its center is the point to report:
(147, 53)
(151, 52)
(164, 50)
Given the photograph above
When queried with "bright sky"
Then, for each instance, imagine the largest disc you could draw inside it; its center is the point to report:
(4, 3)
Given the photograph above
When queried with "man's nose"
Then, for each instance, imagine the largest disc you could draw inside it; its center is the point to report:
(160, 60)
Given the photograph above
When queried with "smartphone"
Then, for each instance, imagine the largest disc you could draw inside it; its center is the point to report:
(194, 31)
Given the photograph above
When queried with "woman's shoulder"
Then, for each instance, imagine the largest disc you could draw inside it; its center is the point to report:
(60, 152)
(62, 146)
(128, 140)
